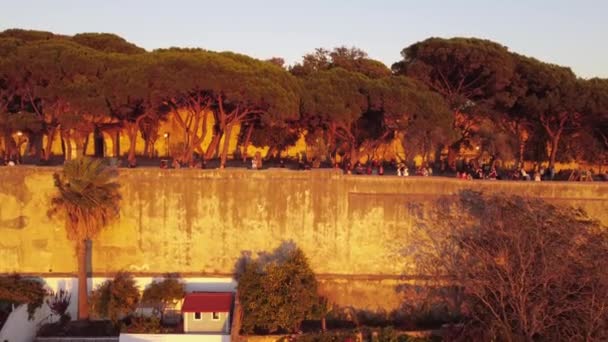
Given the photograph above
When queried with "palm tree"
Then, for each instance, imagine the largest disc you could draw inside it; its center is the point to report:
(88, 199)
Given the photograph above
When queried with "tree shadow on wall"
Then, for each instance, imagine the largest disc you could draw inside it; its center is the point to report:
(278, 255)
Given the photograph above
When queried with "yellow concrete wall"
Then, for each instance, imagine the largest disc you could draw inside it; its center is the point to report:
(199, 222)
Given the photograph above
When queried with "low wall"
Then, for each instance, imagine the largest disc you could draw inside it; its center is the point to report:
(201, 222)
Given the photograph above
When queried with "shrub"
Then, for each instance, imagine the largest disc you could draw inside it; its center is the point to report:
(115, 298)
(160, 294)
(144, 325)
(17, 290)
(278, 295)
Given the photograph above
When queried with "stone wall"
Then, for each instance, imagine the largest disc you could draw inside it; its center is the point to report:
(200, 222)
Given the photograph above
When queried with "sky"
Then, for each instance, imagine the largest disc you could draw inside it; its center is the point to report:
(570, 33)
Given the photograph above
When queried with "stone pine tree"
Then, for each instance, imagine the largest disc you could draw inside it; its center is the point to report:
(87, 198)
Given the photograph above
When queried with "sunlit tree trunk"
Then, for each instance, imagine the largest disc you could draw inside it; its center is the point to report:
(213, 146)
(83, 299)
(246, 143)
(226, 145)
(50, 137)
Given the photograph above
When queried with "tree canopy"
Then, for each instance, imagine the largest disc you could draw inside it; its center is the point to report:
(457, 92)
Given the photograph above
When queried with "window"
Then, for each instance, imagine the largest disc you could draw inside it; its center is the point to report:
(198, 316)
(216, 316)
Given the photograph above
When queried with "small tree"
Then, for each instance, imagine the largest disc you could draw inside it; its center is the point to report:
(277, 295)
(162, 293)
(59, 304)
(115, 298)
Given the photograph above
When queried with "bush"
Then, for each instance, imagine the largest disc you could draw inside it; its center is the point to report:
(116, 298)
(144, 325)
(17, 290)
(59, 304)
(278, 295)
(160, 294)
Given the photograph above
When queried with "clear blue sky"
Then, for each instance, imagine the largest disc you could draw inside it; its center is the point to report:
(565, 32)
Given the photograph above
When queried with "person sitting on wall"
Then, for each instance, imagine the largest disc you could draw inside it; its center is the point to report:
(176, 164)
(493, 174)
(380, 170)
(359, 168)
(524, 174)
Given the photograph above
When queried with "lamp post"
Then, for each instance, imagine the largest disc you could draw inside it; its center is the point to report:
(166, 135)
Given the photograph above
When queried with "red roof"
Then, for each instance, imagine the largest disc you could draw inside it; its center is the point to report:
(207, 302)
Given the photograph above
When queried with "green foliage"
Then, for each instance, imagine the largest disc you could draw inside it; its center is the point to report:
(511, 105)
(116, 298)
(107, 42)
(17, 290)
(88, 197)
(351, 59)
(159, 294)
(144, 325)
(277, 294)
(463, 70)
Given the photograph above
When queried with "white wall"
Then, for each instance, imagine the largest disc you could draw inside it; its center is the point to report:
(173, 338)
(192, 284)
(19, 329)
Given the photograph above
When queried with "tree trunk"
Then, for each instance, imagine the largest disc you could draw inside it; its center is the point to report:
(226, 145)
(83, 298)
(85, 145)
(117, 144)
(213, 145)
(147, 147)
(50, 137)
(246, 144)
(554, 144)
(68, 149)
(331, 142)
(522, 146)
(151, 150)
(132, 132)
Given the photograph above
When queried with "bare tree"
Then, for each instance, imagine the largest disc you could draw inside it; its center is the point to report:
(524, 269)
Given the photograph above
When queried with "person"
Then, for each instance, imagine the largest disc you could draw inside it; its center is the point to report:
(537, 176)
(400, 169)
(493, 174)
(381, 170)
(524, 174)
(359, 168)
(281, 164)
(368, 170)
(176, 164)
(254, 164)
(258, 160)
